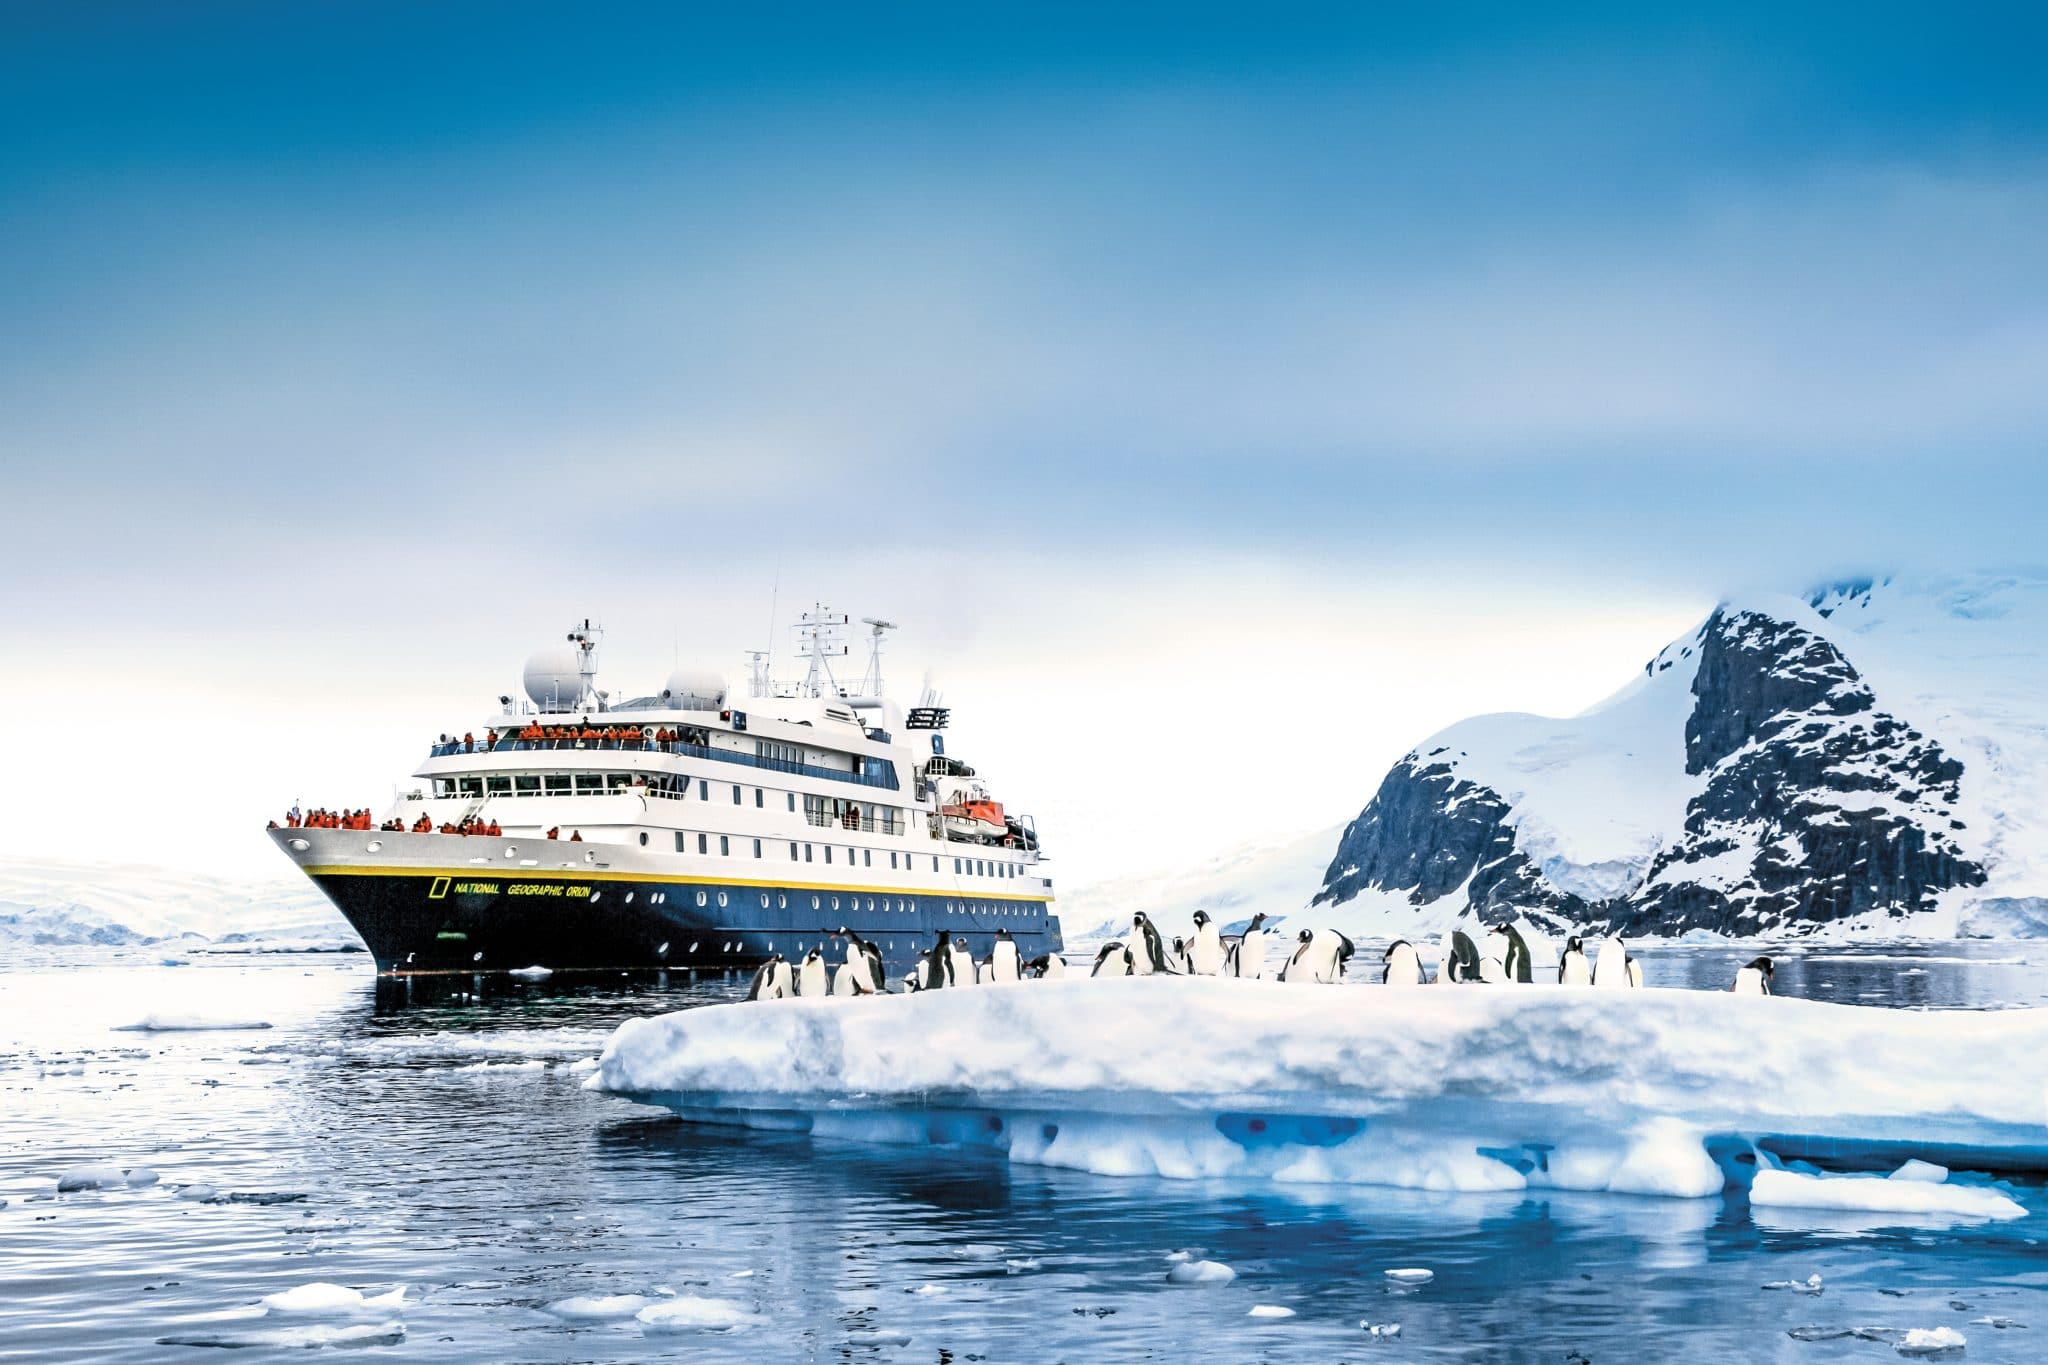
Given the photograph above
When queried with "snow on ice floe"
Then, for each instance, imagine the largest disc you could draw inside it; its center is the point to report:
(92, 1176)
(323, 1300)
(1486, 1089)
(167, 1022)
(1879, 1194)
(1269, 1311)
(1200, 1272)
(687, 1312)
(534, 973)
(1411, 1275)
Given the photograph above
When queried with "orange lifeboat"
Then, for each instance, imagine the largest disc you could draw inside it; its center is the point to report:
(978, 818)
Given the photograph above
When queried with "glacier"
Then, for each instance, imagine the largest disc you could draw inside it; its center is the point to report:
(1653, 1092)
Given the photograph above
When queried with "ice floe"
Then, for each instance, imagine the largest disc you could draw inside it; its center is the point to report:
(599, 1307)
(1411, 1275)
(1200, 1272)
(1642, 1092)
(1932, 1341)
(94, 1176)
(190, 1023)
(323, 1300)
(1269, 1311)
(687, 1313)
(534, 973)
(288, 1338)
(1879, 1194)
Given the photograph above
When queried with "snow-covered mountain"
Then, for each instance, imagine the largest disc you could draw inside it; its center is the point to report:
(56, 903)
(1870, 758)
(1276, 876)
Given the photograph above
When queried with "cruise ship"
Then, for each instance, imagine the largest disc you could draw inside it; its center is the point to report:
(686, 829)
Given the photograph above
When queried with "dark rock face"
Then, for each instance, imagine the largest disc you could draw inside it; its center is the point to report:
(1815, 805)
(1428, 831)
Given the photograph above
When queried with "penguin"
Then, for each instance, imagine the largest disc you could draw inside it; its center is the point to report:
(919, 977)
(1248, 956)
(1572, 967)
(1047, 967)
(1403, 965)
(1113, 960)
(1292, 969)
(1330, 951)
(864, 962)
(1755, 979)
(842, 981)
(941, 973)
(1205, 954)
(810, 977)
(1635, 972)
(962, 971)
(1179, 956)
(1005, 964)
(1148, 950)
(1461, 961)
(1610, 967)
(1514, 959)
(772, 980)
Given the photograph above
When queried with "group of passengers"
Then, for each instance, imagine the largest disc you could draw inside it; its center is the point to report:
(319, 818)
(626, 736)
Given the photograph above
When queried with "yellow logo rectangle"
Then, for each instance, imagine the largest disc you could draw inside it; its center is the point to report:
(438, 889)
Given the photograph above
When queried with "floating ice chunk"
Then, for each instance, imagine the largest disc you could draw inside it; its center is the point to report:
(741, 1275)
(1021, 1265)
(1200, 1272)
(1810, 1285)
(1176, 1257)
(312, 1335)
(1269, 1310)
(321, 1299)
(96, 1176)
(141, 1177)
(1932, 1341)
(1879, 1194)
(2000, 1323)
(1924, 1171)
(189, 1023)
(532, 1064)
(927, 1290)
(1411, 1275)
(1386, 1331)
(201, 1194)
(598, 1307)
(534, 973)
(689, 1313)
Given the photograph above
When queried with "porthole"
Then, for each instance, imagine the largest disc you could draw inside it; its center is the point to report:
(835, 902)
(629, 898)
(511, 850)
(298, 845)
(702, 898)
(814, 902)
(643, 841)
(377, 846)
(871, 902)
(721, 899)
(764, 900)
(781, 901)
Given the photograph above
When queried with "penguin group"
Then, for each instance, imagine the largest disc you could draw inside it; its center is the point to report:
(1317, 956)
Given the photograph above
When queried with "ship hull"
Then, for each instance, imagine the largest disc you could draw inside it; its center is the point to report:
(429, 919)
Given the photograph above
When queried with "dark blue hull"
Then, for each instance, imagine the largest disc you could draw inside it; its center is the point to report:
(469, 922)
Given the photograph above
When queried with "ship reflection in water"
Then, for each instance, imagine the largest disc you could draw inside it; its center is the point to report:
(436, 1134)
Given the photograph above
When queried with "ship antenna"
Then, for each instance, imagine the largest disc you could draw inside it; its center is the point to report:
(871, 683)
(818, 639)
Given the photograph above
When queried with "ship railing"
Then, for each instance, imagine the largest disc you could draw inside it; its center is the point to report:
(882, 775)
(866, 824)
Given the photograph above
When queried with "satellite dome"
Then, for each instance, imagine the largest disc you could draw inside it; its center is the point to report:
(554, 681)
(694, 689)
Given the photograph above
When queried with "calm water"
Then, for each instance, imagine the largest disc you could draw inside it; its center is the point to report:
(446, 1144)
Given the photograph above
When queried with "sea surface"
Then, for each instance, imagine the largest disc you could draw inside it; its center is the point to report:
(439, 1138)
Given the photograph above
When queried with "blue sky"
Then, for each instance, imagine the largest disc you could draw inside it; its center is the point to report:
(334, 332)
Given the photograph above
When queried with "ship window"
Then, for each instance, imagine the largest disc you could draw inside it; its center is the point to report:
(701, 898)
(871, 902)
(935, 863)
(498, 785)
(792, 801)
(792, 851)
(757, 798)
(828, 853)
(757, 853)
(807, 852)
(724, 847)
(682, 839)
(643, 838)
(892, 860)
(867, 859)
(703, 843)
(781, 901)
(764, 900)
(525, 784)
(703, 789)
(557, 783)
(835, 902)
(735, 793)
(956, 867)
